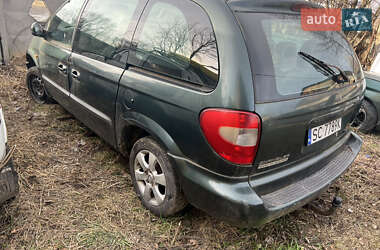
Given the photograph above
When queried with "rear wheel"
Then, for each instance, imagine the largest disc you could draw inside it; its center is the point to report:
(36, 87)
(154, 178)
(366, 118)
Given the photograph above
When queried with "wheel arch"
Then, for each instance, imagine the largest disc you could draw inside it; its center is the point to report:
(137, 126)
(377, 107)
(30, 62)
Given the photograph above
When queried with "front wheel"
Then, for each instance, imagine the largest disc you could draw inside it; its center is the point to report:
(36, 87)
(154, 178)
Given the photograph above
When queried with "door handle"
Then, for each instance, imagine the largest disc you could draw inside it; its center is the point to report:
(75, 74)
(62, 68)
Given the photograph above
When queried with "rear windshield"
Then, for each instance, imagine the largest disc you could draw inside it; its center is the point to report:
(274, 42)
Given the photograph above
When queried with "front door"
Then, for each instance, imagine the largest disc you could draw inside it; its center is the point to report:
(55, 51)
(99, 58)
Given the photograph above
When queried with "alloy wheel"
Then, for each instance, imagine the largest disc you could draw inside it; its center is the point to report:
(150, 178)
(37, 87)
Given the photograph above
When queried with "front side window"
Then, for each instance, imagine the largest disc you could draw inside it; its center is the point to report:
(102, 28)
(61, 26)
(176, 39)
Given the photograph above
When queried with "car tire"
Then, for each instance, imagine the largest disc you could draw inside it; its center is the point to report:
(8, 183)
(36, 87)
(154, 178)
(366, 119)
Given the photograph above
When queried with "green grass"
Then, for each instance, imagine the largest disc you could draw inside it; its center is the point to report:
(96, 236)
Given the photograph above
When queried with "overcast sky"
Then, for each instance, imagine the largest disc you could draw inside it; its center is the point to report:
(376, 4)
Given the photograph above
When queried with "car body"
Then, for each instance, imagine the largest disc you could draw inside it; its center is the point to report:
(8, 176)
(368, 117)
(205, 103)
(372, 93)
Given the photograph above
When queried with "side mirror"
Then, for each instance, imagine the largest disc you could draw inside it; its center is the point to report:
(37, 30)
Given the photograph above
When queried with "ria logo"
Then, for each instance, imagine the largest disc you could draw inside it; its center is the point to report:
(336, 19)
(357, 19)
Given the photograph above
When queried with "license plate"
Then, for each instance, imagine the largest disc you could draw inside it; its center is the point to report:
(321, 132)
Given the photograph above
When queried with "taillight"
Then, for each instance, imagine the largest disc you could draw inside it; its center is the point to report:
(234, 135)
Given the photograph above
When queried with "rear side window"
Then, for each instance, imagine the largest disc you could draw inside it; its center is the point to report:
(274, 42)
(62, 25)
(102, 28)
(176, 39)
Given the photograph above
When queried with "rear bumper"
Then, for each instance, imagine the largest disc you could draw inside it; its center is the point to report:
(254, 201)
(8, 182)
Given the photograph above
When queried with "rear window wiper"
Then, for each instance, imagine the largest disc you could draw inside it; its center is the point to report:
(325, 68)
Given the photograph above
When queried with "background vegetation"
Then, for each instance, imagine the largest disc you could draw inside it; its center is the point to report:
(365, 43)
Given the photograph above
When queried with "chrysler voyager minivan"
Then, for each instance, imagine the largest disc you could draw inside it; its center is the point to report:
(224, 104)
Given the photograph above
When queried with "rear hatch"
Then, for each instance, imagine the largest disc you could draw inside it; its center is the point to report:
(308, 86)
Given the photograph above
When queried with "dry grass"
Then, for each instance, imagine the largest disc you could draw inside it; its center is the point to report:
(75, 193)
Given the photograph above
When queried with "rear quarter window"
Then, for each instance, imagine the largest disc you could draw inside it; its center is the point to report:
(176, 39)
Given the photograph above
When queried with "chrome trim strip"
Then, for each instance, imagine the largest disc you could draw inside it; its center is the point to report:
(84, 104)
(64, 91)
(91, 108)
(208, 170)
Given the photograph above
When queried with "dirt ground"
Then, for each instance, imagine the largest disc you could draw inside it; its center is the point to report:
(75, 193)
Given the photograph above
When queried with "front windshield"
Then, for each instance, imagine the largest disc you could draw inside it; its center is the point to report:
(281, 38)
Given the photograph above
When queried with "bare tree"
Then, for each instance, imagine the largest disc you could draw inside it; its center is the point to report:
(180, 39)
(202, 41)
(364, 42)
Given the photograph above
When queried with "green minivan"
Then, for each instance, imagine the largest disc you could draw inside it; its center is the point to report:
(227, 105)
